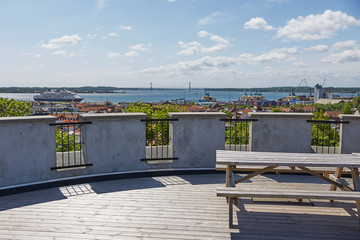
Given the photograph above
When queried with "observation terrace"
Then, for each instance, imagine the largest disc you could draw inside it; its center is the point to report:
(116, 187)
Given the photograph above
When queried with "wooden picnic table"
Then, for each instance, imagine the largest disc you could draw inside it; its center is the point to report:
(305, 161)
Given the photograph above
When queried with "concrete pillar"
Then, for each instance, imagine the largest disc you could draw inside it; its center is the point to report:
(27, 149)
(350, 134)
(281, 132)
(114, 142)
(195, 138)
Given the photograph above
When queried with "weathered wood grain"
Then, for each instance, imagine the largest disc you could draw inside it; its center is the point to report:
(173, 207)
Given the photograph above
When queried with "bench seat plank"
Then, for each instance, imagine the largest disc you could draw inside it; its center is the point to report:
(233, 193)
(274, 193)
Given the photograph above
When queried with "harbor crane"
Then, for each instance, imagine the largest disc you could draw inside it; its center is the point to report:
(303, 80)
(323, 82)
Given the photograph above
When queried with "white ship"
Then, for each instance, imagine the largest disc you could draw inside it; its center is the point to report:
(62, 96)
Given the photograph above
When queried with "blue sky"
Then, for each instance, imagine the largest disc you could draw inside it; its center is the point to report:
(210, 43)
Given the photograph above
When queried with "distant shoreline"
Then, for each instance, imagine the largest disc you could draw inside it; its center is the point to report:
(101, 89)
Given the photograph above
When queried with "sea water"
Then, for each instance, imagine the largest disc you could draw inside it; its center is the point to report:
(161, 95)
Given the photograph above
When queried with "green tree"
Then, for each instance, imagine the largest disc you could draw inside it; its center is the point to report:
(347, 109)
(324, 133)
(237, 133)
(66, 142)
(276, 110)
(157, 132)
(12, 108)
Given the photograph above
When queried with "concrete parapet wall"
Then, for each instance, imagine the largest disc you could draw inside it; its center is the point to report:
(281, 132)
(196, 137)
(350, 134)
(27, 149)
(114, 142)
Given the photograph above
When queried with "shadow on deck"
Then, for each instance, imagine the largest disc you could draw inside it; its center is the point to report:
(171, 207)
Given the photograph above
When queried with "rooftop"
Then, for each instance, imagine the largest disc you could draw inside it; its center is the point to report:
(172, 207)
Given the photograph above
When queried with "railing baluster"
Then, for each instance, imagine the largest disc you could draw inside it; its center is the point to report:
(159, 139)
(326, 135)
(70, 144)
(236, 132)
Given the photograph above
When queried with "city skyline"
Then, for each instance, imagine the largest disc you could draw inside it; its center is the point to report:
(210, 43)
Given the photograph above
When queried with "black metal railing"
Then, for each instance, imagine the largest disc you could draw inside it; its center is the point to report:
(157, 139)
(69, 145)
(237, 134)
(325, 135)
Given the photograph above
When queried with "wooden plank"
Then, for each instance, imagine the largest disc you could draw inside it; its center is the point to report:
(228, 175)
(337, 175)
(286, 159)
(274, 193)
(281, 169)
(231, 220)
(355, 178)
(339, 185)
(254, 174)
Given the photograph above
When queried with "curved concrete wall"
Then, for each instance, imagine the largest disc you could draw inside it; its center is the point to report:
(115, 143)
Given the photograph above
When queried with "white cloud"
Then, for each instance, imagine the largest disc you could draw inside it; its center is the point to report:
(203, 34)
(314, 27)
(257, 23)
(299, 64)
(129, 28)
(139, 47)
(109, 35)
(273, 56)
(347, 45)
(113, 55)
(60, 52)
(171, 0)
(195, 47)
(190, 48)
(59, 42)
(215, 17)
(131, 54)
(100, 4)
(63, 53)
(318, 48)
(204, 63)
(343, 57)
(221, 43)
(91, 36)
(36, 55)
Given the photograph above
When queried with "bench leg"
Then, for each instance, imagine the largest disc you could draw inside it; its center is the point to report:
(358, 209)
(231, 203)
(337, 174)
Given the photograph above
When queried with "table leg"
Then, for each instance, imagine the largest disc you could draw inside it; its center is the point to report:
(356, 182)
(231, 221)
(230, 181)
(355, 178)
(337, 174)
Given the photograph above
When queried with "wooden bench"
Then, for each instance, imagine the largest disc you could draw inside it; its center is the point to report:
(233, 193)
(285, 169)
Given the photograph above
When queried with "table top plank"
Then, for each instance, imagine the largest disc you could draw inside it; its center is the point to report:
(287, 159)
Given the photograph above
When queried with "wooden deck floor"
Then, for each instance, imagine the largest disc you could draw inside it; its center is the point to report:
(171, 207)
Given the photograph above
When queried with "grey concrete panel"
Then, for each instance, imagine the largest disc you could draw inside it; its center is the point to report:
(281, 132)
(27, 147)
(350, 134)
